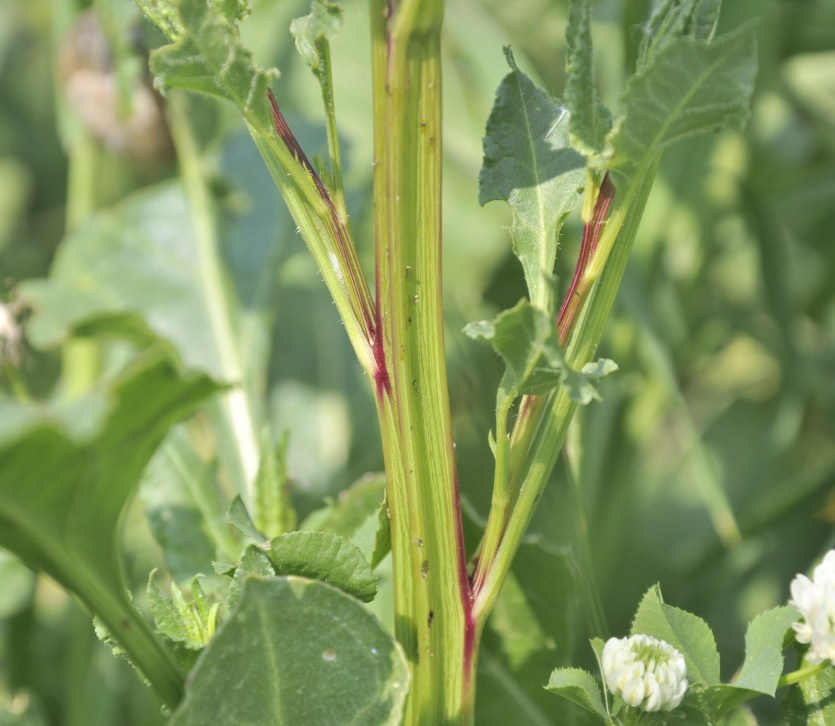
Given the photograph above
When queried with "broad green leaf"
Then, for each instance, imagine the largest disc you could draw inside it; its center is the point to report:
(206, 54)
(590, 120)
(140, 258)
(810, 702)
(686, 632)
(273, 510)
(297, 651)
(63, 486)
(526, 339)
(529, 164)
(578, 686)
(326, 557)
(323, 22)
(692, 86)
(18, 585)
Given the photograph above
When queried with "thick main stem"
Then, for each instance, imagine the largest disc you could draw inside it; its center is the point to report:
(432, 591)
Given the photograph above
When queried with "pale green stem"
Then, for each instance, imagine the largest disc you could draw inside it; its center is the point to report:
(801, 674)
(432, 594)
(236, 417)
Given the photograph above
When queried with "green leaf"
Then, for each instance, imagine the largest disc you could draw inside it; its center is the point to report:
(206, 54)
(326, 557)
(65, 482)
(810, 702)
(528, 163)
(190, 623)
(254, 561)
(763, 664)
(297, 651)
(692, 86)
(578, 686)
(686, 632)
(324, 21)
(526, 339)
(274, 513)
(182, 502)
(675, 19)
(359, 515)
(239, 518)
(590, 120)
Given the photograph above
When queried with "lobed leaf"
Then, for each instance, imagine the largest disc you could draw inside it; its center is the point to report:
(692, 86)
(529, 164)
(590, 121)
(326, 557)
(206, 54)
(297, 651)
(526, 339)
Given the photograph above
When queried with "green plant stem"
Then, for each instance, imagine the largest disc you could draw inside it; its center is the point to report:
(432, 592)
(326, 83)
(542, 424)
(235, 415)
(801, 674)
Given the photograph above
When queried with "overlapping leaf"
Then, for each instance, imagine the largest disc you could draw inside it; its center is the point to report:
(692, 86)
(526, 339)
(297, 651)
(529, 164)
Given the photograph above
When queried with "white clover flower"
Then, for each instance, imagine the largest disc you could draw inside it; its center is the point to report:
(645, 672)
(815, 599)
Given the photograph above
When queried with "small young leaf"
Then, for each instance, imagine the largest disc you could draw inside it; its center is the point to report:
(326, 557)
(687, 633)
(274, 513)
(590, 120)
(323, 22)
(190, 623)
(578, 686)
(239, 518)
(297, 651)
(382, 537)
(529, 164)
(692, 86)
(526, 339)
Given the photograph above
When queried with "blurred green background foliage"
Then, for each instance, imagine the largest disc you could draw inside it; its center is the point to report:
(709, 465)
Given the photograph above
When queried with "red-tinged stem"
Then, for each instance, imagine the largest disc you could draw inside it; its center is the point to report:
(573, 302)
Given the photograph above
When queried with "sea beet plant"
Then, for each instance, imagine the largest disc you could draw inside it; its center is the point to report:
(289, 640)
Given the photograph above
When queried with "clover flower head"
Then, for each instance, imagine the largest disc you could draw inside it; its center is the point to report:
(815, 599)
(645, 672)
